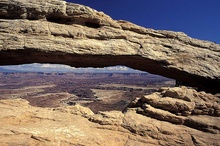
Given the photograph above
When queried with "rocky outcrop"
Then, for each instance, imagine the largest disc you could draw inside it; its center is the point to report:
(183, 106)
(54, 31)
(65, 33)
(142, 123)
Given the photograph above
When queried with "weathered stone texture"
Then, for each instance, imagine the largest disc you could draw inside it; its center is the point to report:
(22, 124)
(55, 31)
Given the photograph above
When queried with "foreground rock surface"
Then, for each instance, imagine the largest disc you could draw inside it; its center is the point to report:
(142, 123)
(59, 32)
(183, 106)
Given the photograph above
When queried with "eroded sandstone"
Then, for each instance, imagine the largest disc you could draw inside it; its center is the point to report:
(54, 31)
(23, 124)
(183, 106)
(60, 32)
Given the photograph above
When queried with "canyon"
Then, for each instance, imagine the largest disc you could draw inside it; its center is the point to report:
(170, 116)
(97, 91)
(58, 32)
(72, 34)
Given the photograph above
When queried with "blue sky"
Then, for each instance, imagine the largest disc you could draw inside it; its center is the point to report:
(197, 18)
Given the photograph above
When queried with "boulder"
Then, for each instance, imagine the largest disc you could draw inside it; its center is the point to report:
(173, 105)
(161, 115)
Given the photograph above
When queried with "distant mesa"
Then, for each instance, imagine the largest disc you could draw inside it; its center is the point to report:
(64, 33)
(58, 68)
(7, 70)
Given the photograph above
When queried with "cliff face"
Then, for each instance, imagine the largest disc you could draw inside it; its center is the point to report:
(172, 116)
(65, 33)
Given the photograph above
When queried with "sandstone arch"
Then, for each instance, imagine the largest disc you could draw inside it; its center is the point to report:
(76, 35)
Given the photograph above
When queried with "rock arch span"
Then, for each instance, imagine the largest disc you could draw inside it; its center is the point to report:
(76, 35)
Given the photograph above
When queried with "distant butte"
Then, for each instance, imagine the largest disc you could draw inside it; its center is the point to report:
(59, 32)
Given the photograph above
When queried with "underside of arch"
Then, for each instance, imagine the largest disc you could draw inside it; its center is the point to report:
(87, 60)
(76, 35)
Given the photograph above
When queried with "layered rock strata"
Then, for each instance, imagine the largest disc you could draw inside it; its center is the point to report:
(54, 31)
(59, 32)
(175, 122)
(181, 106)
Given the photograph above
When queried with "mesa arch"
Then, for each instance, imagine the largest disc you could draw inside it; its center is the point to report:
(76, 35)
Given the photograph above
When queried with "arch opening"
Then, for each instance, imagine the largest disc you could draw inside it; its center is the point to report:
(100, 89)
(22, 56)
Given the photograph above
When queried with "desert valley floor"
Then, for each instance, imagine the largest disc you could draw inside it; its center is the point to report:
(104, 109)
(98, 91)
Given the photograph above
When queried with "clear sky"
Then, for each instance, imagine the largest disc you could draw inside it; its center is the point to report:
(197, 18)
